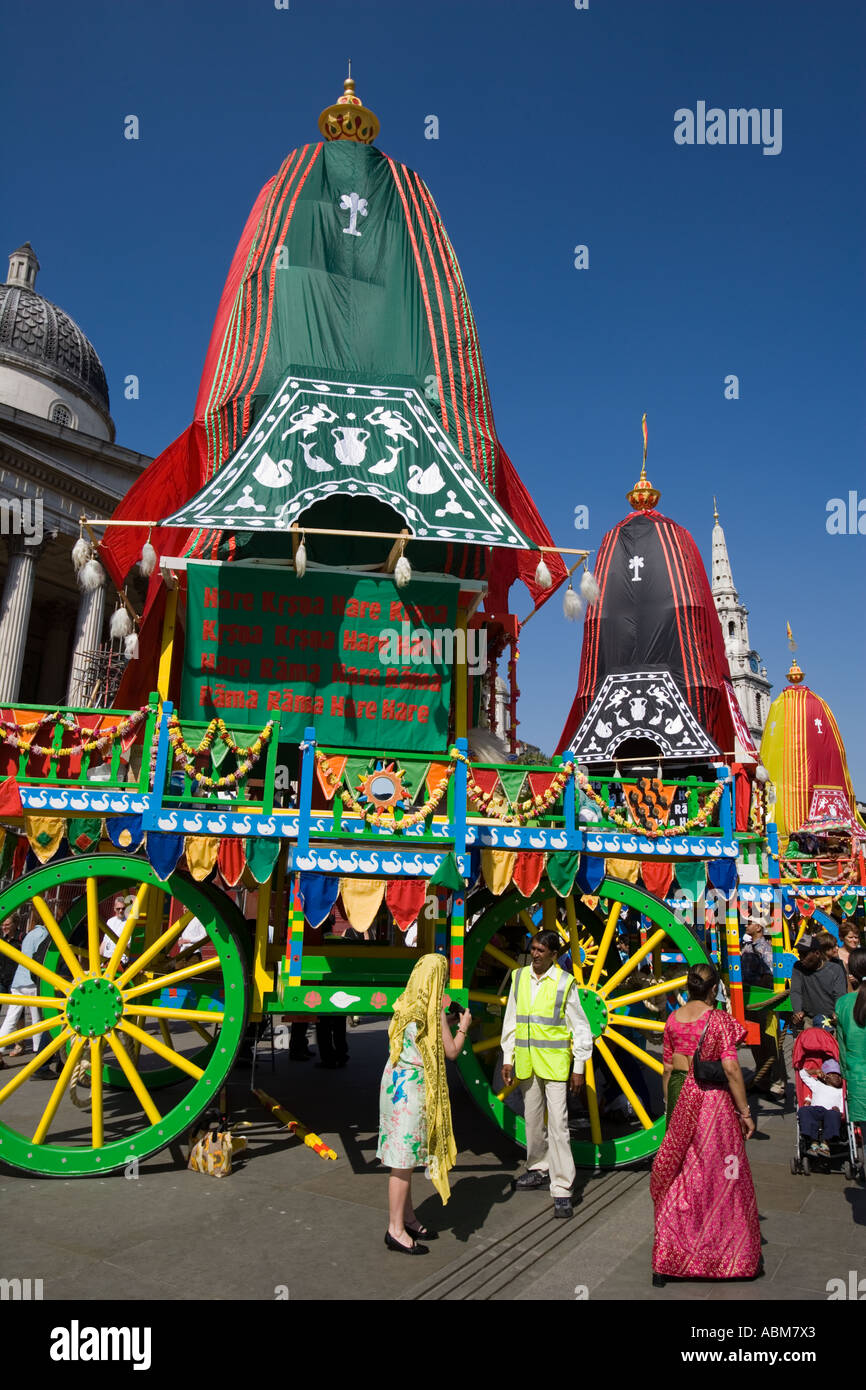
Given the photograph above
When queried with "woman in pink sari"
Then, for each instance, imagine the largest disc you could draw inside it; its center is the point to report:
(706, 1216)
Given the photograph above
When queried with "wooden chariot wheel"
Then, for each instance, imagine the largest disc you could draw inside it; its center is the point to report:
(633, 959)
(118, 1027)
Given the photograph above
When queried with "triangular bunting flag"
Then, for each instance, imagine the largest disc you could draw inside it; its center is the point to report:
(163, 851)
(626, 869)
(562, 870)
(362, 898)
(405, 898)
(231, 860)
(448, 874)
(10, 798)
(337, 766)
(434, 775)
(497, 866)
(657, 877)
(83, 833)
(219, 751)
(126, 832)
(512, 780)
(201, 855)
(723, 874)
(261, 857)
(319, 892)
(414, 777)
(44, 834)
(528, 871)
(591, 873)
(539, 782)
(692, 878)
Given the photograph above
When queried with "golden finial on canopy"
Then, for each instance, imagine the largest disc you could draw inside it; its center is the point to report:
(348, 118)
(795, 675)
(643, 496)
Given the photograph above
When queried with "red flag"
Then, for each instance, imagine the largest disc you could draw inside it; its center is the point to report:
(405, 899)
(528, 870)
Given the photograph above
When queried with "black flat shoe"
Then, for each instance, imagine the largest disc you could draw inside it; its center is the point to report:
(413, 1249)
(658, 1281)
(421, 1233)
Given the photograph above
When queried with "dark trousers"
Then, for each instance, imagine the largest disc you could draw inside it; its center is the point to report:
(811, 1119)
(331, 1039)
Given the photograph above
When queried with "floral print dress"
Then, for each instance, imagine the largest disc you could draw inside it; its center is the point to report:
(402, 1108)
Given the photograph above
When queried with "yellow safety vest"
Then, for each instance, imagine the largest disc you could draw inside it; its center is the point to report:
(543, 1041)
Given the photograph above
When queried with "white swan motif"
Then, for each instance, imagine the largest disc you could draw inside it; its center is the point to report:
(306, 863)
(713, 848)
(216, 825)
(511, 839)
(391, 866)
(57, 803)
(663, 846)
(99, 803)
(138, 803)
(680, 846)
(559, 840)
(628, 845)
(36, 799)
(369, 865)
(265, 827)
(698, 847)
(193, 823)
(428, 481)
(646, 847)
(594, 844)
(537, 839)
(167, 822)
(243, 826)
(273, 472)
(79, 803)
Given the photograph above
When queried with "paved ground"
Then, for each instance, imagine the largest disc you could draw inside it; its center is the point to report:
(287, 1222)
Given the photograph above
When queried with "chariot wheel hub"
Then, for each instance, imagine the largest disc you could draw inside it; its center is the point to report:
(595, 1008)
(94, 1007)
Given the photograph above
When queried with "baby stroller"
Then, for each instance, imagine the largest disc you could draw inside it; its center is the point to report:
(817, 1046)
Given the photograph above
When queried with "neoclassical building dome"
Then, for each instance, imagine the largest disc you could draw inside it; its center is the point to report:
(39, 341)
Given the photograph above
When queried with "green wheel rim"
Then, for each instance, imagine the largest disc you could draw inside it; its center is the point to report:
(613, 1152)
(142, 1136)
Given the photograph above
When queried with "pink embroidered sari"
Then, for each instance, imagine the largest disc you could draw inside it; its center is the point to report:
(706, 1216)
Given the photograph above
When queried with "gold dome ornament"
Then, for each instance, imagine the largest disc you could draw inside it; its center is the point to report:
(795, 675)
(643, 496)
(348, 118)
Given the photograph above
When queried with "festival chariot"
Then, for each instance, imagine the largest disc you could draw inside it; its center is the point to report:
(321, 708)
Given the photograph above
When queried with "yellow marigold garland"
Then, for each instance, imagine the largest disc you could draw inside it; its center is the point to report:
(531, 809)
(11, 733)
(184, 753)
(700, 819)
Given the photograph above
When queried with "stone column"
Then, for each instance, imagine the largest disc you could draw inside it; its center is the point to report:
(15, 614)
(88, 637)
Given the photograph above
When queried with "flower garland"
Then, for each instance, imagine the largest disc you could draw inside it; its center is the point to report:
(184, 753)
(376, 815)
(700, 819)
(488, 803)
(100, 745)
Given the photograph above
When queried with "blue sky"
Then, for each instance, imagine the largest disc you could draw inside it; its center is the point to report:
(556, 128)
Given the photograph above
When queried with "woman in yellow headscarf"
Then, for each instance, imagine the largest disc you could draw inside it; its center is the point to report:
(414, 1108)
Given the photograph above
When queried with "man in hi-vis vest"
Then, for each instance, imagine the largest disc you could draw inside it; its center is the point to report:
(544, 1037)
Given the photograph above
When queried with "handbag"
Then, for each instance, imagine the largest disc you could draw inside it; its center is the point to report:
(707, 1073)
(212, 1151)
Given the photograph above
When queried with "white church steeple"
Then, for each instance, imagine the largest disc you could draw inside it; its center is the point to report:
(748, 675)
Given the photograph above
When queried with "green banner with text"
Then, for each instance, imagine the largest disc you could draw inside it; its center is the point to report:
(355, 656)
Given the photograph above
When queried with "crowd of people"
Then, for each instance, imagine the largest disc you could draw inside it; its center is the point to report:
(706, 1213)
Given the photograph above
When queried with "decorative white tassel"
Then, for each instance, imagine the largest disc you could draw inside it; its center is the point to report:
(301, 560)
(402, 572)
(81, 552)
(762, 774)
(147, 563)
(542, 576)
(91, 576)
(130, 646)
(589, 586)
(571, 605)
(120, 625)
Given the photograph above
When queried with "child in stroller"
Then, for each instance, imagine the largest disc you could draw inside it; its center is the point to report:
(822, 1128)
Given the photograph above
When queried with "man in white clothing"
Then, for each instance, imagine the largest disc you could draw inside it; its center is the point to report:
(544, 1036)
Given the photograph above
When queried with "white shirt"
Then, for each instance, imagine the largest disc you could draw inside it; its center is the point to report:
(575, 1020)
(192, 932)
(106, 949)
(822, 1094)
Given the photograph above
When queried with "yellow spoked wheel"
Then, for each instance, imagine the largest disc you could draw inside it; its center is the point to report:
(631, 957)
(114, 1026)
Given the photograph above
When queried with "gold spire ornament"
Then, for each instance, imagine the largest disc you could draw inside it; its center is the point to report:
(795, 675)
(348, 118)
(643, 496)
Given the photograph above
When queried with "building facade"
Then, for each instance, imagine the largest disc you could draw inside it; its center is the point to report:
(748, 674)
(58, 461)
